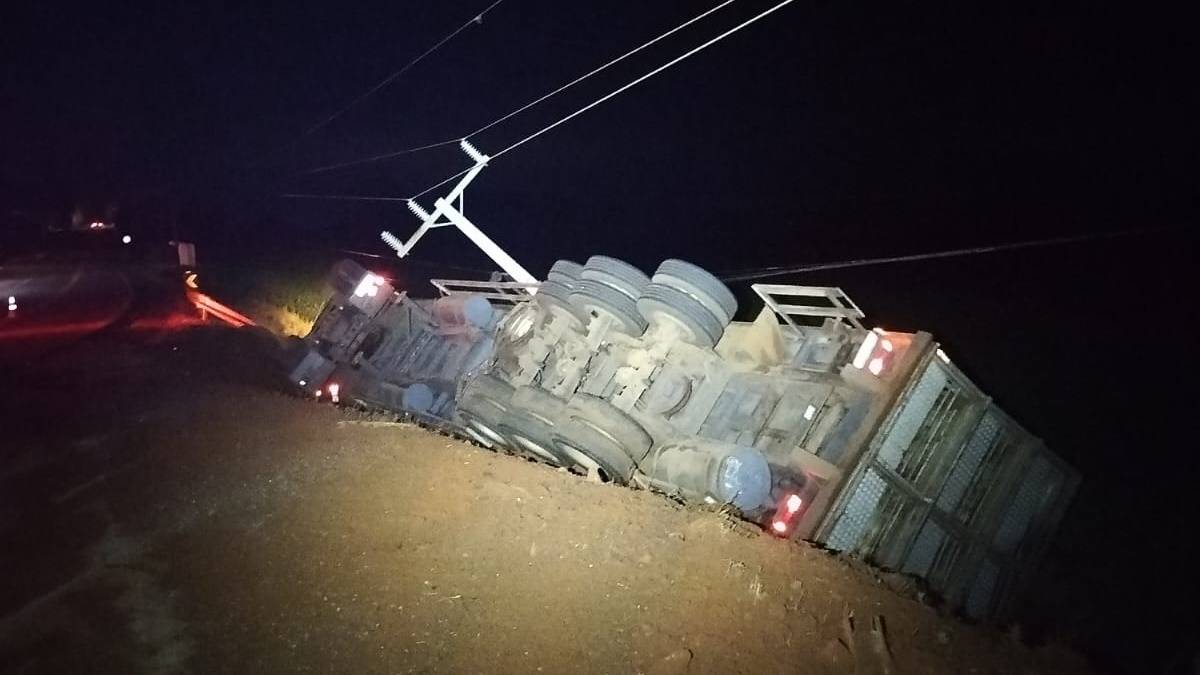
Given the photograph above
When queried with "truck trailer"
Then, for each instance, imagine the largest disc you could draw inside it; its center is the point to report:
(865, 440)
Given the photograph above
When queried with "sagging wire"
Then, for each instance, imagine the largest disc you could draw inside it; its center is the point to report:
(618, 91)
(527, 106)
(580, 111)
(476, 19)
(780, 270)
(647, 76)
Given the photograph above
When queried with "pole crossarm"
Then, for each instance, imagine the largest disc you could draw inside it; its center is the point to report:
(448, 210)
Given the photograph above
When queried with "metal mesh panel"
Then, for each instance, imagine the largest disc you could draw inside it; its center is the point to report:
(860, 509)
(980, 599)
(972, 456)
(908, 422)
(1034, 486)
(924, 549)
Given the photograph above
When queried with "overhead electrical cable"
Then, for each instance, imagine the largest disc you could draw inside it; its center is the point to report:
(617, 91)
(765, 272)
(356, 198)
(647, 76)
(527, 106)
(593, 104)
(477, 19)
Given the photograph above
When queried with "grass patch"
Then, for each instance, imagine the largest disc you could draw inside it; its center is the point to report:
(283, 294)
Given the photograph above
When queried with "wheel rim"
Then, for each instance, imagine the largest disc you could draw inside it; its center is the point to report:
(580, 459)
(536, 448)
(494, 436)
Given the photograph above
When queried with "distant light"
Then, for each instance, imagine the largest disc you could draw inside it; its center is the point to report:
(793, 503)
(318, 393)
(779, 526)
(942, 355)
(12, 303)
(302, 383)
(127, 239)
(810, 411)
(876, 366)
(864, 350)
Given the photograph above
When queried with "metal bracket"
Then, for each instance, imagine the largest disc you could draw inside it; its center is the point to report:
(508, 292)
(839, 305)
(445, 207)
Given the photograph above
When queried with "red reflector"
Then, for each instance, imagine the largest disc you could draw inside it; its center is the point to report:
(793, 503)
(779, 526)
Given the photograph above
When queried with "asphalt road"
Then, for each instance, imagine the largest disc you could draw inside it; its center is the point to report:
(56, 304)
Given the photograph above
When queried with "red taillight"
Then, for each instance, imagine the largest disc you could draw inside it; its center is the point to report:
(786, 514)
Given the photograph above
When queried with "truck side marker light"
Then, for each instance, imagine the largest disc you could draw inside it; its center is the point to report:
(864, 350)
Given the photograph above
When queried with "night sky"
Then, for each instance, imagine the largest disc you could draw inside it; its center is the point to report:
(828, 131)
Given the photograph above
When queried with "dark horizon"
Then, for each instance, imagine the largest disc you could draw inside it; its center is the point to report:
(821, 133)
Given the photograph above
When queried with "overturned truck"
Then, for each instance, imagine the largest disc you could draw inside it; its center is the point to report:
(803, 420)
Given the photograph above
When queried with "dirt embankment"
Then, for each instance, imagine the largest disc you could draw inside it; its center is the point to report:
(209, 525)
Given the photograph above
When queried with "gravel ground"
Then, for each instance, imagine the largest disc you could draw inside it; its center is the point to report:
(166, 508)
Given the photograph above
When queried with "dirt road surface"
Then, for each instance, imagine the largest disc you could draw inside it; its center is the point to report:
(165, 507)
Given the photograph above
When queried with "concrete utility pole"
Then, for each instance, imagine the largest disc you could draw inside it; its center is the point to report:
(453, 214)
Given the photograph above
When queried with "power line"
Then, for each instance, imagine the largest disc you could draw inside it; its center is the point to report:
(645, 77)
(527, 106)
(357, 198)
(578, 112)
(616, 92)
(376, 158)
(611, 63)
(765, 272)
(477, 19)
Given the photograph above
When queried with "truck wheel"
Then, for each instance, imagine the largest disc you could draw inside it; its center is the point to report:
(615, 273)
(553, 293)
(482, 409)
(598, 298)
(529, 425)
(594, 434)
(564, 271)
(700, 327)
(698, 283)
